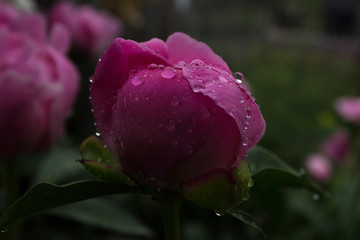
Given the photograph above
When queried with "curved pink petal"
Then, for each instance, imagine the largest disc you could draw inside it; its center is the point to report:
(60, 38)
(181, 47)
(122, 58)
(159, 46)
(231, 96)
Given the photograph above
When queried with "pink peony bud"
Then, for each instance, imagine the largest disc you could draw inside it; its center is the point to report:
(173, 111)
(337, 146)
(91, 30)
(349, 108)
(319, 167)
(37, 86)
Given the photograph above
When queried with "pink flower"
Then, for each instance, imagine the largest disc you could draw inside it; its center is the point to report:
(349, 108)
(337, 146)
(171, 111)
(37, 85)
(319, 167)
(33, 26)
(91, 30)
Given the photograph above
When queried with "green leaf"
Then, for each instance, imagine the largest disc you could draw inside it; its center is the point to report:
(249, 220)
(59, 166)
(106, 214)
(93, 149)
(107, 172)
(268, 170)
(45, 196)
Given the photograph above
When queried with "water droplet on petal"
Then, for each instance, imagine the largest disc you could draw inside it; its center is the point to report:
(248, 112)
(168, 72)
(97, 134)
(222, 79)
(4, 230)
(181, 64)
(152, 66)
(91, 79)
(209, 82)
(244, 144)
(239, 76)
(161, 66)
(137, 80)
(99, 59)
(197, 64)
(175, 101)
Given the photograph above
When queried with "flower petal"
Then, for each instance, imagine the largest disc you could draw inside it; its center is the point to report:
(113, 70)
(181, 47)
(231, 96)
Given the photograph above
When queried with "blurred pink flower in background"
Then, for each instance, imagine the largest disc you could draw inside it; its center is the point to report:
(349, 108)
(337, 146)
(319, 167)
(38, 83)
(91, 30)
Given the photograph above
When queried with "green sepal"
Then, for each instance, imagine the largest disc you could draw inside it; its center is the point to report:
(93, 149)
(106, 172)
(219, 189)
(98, 161)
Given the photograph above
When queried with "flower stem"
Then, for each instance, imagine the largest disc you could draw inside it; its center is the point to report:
(170, 206)
(11, 185)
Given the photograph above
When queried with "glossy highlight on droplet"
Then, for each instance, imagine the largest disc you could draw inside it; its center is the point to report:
(168, 72)
(137, 80)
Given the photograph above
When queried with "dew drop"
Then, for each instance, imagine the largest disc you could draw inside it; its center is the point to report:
(239, 76)
(168, 72)
(161, 66)
(4, 230)
(222, 79)
(181, 64)
(209, 83)
(175, 101)
(132, 72)
(197, 64)
(97, 134)
(220, 213)
(137, 80)
(99, 59)
(244, 144)
(248, 112)
(152, 66)
(91, 79)
(316, 196)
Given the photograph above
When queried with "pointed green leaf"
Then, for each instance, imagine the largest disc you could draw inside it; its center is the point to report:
(45, 196)
(107, 173)
(93, 149)
(249, 220)
(268, 170)
(106, 214)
